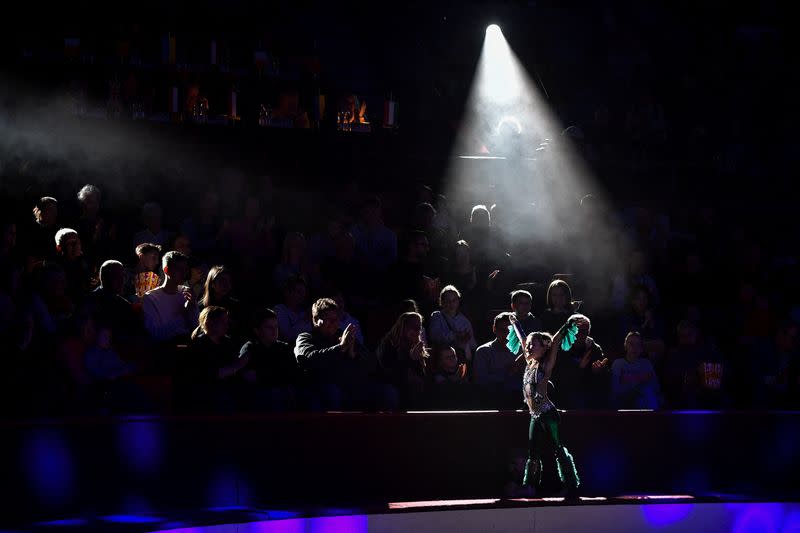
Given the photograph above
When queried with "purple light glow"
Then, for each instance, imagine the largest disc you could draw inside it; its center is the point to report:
(131, 519)
(140, 443)
(48, 466)
(757, 517)
(67, 522)
(330, 524)
(660, 515)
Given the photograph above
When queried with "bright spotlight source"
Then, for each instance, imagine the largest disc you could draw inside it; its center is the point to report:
(499, 75)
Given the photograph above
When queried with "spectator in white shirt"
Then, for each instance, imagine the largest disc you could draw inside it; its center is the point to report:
(170, 311)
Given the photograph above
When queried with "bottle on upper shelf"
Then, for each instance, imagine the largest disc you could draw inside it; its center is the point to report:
(233, 116)
(390, 112)
(174, 106)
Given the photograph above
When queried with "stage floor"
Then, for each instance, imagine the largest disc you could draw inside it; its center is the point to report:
(663, 513)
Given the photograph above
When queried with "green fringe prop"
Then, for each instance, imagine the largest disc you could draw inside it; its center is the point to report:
(572, 470)
(570, 335)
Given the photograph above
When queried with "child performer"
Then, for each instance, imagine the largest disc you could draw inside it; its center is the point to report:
(540, 351)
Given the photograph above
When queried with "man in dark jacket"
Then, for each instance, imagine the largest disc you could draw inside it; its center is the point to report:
(335, 365)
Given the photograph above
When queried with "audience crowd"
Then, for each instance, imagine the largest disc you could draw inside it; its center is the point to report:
(213, 304)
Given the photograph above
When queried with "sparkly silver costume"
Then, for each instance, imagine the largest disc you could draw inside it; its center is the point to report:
(539, 404)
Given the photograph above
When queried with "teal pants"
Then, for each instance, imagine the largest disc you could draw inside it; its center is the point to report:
(540, 429)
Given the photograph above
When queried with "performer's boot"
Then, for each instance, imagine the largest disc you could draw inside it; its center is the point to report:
(567, 472)
(533, 473)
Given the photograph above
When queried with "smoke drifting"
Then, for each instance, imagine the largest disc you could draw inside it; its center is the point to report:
(511, 151)
(43, 140)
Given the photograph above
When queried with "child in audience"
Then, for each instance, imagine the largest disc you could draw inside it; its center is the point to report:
(101, 361)
(633, 379)
(146, 275)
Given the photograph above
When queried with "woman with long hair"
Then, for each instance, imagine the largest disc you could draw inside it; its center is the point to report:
(214, 353)
(207, 371)
(218, 291)
(402, 355)
(559, 305)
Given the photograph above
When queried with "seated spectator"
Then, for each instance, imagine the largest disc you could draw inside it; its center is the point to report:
(402, 354)
(443, 222)
(462, 271)
(78, 337)
(341, 270)
(778, 368)
(213, 355)
(581, 372)
(153, 232)
(422, 219)
(146, 275)
(411, 278)
(50, 306)
(559, 306)
(376, 245)
(293, 315)
(409, 306)
(448, 385)
(107, 301)
(521, 304)
(181, 243)
(198, 271)
(294, 262)
(695, 373)
(499, 216)
(268, 361)
(345, 317)
(424, 194)
(101, 362)
(39, 236)
(109, 389)
(206, 370)
(752, 317)
(335, 366)
(95, 228)
(69, 256)
(642, 317)
(170, 311)
(633, 380)
(251, 236)
(322, 244)
(478, 235)
(450, 327)
(486, 252)
(217, 291)
(637, 274)
(494, 368)
(204, 227)
(447, 370)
